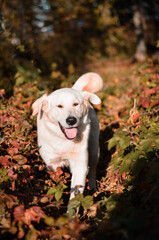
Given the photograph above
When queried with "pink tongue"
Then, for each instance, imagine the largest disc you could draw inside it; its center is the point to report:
(71, 132)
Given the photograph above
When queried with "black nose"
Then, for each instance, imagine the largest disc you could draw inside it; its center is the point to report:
(71, 121)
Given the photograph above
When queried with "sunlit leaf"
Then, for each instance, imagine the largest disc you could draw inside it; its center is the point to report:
(20, 159)
(113, 141)
(49, 221)
(58, 195)
(87, 202)
(73, 206)
(51, 191)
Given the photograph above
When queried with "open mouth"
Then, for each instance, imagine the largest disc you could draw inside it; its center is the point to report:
(70, 133)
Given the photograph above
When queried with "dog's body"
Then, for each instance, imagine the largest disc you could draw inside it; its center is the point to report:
(68, 130)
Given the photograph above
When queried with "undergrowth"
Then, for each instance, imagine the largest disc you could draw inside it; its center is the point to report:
(33, 200)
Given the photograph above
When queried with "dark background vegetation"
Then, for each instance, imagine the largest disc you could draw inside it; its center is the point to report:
(61, 35)
(47, 44)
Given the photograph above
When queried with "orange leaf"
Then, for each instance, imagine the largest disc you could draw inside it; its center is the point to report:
(12, 174)
(34, 213)
(18, 212)
(144, 102)
(4, 160)
(20, 159)
(12, 151)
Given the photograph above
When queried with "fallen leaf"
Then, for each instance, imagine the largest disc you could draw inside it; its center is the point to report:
(144, 102)
(4, 161)
(12, 174)
(20, 159)
(34, 213)
(13, 151)
(18, 212)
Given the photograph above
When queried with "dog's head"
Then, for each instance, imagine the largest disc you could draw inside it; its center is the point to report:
(67, 108)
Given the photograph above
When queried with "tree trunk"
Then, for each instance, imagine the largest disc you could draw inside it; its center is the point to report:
(140, 53)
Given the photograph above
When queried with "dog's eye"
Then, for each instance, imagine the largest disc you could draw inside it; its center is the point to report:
(75, 104)
(59, 106)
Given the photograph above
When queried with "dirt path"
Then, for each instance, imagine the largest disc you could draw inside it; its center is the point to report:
(119, 82)
(112, 68)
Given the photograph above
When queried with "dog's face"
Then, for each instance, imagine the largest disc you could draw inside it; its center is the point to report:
(67, 108)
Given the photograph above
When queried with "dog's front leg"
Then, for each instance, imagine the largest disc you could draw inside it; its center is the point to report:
(79, 170)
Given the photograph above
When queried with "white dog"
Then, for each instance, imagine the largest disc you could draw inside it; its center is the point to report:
(68, 130)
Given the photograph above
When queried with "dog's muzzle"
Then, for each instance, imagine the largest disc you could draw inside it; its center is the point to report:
(70, 133)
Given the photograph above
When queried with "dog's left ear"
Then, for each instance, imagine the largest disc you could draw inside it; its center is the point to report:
(91, 97)
(40, 103)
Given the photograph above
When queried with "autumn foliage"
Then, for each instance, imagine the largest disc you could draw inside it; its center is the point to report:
(46, 45)
(33, 200)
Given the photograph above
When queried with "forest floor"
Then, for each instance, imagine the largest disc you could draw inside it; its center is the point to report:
(33, 201)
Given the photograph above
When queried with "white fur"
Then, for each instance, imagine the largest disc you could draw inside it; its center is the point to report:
(80, 153)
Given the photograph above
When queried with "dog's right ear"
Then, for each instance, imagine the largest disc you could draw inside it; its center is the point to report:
(40, 104)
